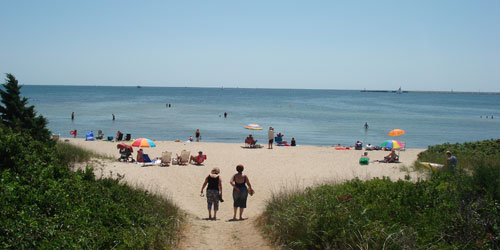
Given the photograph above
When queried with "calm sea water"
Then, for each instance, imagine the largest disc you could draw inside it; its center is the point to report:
(313, 117)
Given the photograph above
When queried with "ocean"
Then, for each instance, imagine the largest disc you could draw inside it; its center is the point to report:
(313, 117)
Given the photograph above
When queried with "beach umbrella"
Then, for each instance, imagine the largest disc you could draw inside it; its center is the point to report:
(396, 132)
(143, 143)
(253, 126)
(392, 144)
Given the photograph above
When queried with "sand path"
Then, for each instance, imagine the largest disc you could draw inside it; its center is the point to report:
(270, 171)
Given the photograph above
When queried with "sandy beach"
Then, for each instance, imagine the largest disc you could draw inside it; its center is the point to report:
(269, 171)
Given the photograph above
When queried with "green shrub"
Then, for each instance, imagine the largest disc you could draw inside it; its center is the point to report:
(447, 211)
(44, 205)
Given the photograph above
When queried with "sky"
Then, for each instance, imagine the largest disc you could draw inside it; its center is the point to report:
(415, 45)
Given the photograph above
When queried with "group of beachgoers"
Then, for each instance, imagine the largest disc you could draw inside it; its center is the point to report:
(392, 157)
(486, 117)
(241, 189)
(197, 134)
(279, 139)
(141, 157)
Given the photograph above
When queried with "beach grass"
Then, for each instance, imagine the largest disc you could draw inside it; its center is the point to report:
(69, 153)
(448, 210)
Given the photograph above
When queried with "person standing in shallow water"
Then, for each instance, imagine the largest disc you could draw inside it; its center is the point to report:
(197, 135)
(225, 114)
(239, 181)
(214, 192)
(72, 116)
(113, 117)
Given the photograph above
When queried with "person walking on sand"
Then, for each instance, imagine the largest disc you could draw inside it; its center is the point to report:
(239, 181)
(270, 136)
(214, 192)
(197, 135)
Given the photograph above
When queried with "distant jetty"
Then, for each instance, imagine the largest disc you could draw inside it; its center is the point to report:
(433, 92)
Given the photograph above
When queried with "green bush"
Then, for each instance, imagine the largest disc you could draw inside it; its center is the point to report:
(448, 210)
(469, 154)
(44, 205)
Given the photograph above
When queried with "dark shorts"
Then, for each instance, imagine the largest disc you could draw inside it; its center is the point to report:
(240, 198)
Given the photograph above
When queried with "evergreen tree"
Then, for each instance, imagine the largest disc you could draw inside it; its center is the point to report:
(15, 114)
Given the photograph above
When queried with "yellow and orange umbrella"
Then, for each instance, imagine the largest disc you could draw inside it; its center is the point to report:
(396, 132)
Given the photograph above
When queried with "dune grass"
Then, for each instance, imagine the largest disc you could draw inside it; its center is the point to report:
(448, 210)
(69, 153)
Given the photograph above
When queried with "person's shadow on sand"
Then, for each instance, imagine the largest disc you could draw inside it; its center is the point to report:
(214, 219)
(233, 220)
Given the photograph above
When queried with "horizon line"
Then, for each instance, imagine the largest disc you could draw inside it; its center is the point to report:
(223, 87)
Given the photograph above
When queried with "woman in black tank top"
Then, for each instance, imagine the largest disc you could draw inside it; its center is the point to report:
(214, 192)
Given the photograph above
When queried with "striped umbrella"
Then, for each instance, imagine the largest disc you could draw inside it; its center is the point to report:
(143, 143)
(392, 144)
(253, 126)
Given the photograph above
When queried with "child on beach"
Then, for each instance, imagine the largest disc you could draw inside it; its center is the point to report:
(364, 160)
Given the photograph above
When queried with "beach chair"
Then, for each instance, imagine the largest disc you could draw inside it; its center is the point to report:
(184, 157)
(250, 143)
(166, 158)
(100, 135)
(89, 136)
(120, 137)
(146, 161)
(403, 144)
(127, 137)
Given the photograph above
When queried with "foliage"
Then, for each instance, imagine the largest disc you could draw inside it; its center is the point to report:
(446, 211)
(469, 154)
(44, 205)
(15, 113)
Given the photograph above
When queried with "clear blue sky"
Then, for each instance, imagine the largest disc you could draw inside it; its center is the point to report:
(418, 45)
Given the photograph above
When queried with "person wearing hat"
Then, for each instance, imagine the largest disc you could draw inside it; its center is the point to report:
(214, 192)
(451, 161)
